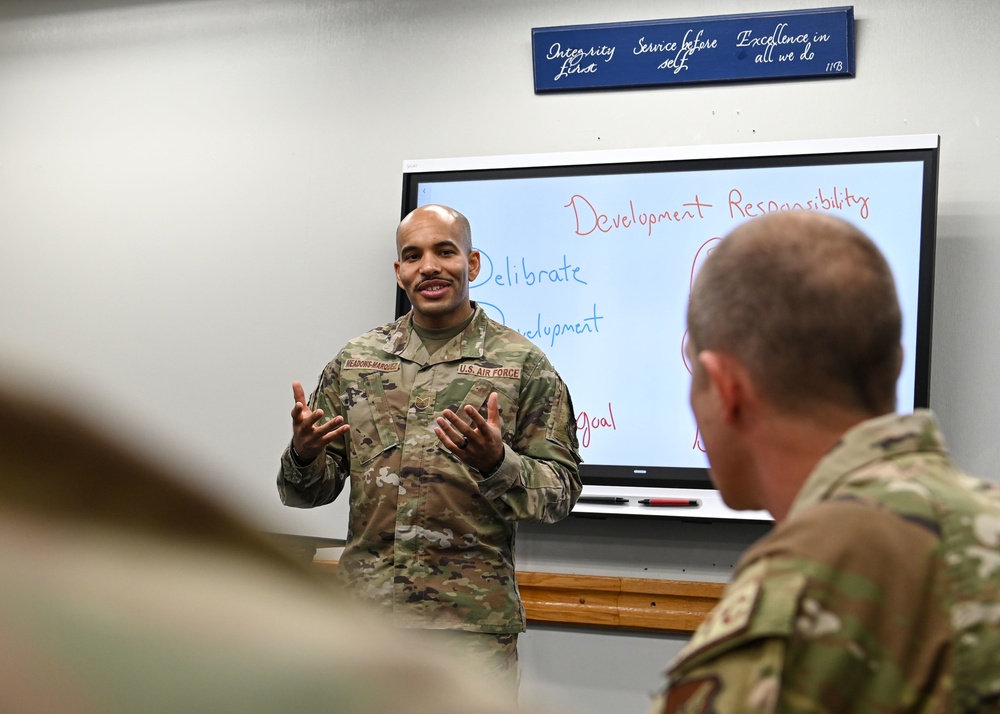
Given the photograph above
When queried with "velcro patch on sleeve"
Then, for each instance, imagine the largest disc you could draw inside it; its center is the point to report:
(730, 617)
(758, 604)
(694, 696)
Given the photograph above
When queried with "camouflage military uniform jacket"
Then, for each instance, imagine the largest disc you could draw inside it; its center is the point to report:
(430, 538)
(879, 593)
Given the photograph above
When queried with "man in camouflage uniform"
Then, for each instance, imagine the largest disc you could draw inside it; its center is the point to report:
(450, 428)
(878, 590)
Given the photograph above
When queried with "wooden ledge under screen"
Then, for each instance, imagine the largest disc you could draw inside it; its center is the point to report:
(610, 602)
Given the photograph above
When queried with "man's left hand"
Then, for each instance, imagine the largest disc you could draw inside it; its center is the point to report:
(479, 443)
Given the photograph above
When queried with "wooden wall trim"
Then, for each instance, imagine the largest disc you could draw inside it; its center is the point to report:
(602, 601)
(627, 603)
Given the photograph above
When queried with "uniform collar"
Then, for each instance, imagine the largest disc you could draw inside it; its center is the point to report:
(870, 441)
(403, 341)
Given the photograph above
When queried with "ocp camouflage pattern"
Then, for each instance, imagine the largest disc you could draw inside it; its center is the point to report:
(429, 538)
(879, 593)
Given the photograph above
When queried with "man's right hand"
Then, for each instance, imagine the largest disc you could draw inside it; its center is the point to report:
(309, 437)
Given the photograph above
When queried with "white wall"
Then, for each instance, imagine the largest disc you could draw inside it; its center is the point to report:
(197, 201)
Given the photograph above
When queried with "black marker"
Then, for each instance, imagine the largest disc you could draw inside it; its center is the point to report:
(613, 500)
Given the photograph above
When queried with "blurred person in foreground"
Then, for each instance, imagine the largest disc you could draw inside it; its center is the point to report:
(125, 591)
(878, 590)
(447, 428)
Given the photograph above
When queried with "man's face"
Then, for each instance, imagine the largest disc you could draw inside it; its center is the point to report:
(434, 268)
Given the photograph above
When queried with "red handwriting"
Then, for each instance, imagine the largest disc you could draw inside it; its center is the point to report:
(703, 252)
(838, 200)
(589, 219)
(699, 258)
(586, 424)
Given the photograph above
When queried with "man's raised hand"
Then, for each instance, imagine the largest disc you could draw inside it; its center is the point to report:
(309, 437)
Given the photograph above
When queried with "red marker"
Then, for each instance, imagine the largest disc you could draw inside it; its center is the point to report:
(675, 502)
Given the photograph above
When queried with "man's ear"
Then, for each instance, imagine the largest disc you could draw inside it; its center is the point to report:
(729, 381)
(474, 265)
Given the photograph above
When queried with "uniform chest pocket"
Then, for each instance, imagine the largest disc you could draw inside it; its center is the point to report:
(372, 429)
(478, 397)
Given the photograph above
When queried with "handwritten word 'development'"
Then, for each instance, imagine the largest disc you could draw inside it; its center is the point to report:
(687, 47)
(517, 273)
(560, 329)
(589, 219)
(573, 57)
(586, 424)
(839, 200)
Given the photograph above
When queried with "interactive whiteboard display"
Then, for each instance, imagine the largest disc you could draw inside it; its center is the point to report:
(592, 256)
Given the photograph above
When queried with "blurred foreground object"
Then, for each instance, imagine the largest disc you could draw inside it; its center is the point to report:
(126, 591)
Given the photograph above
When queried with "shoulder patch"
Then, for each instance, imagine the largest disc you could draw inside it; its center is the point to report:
(762, 603)
(730, 617)
(694, 696)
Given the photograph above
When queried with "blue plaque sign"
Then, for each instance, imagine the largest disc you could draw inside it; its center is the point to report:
(725, 48)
